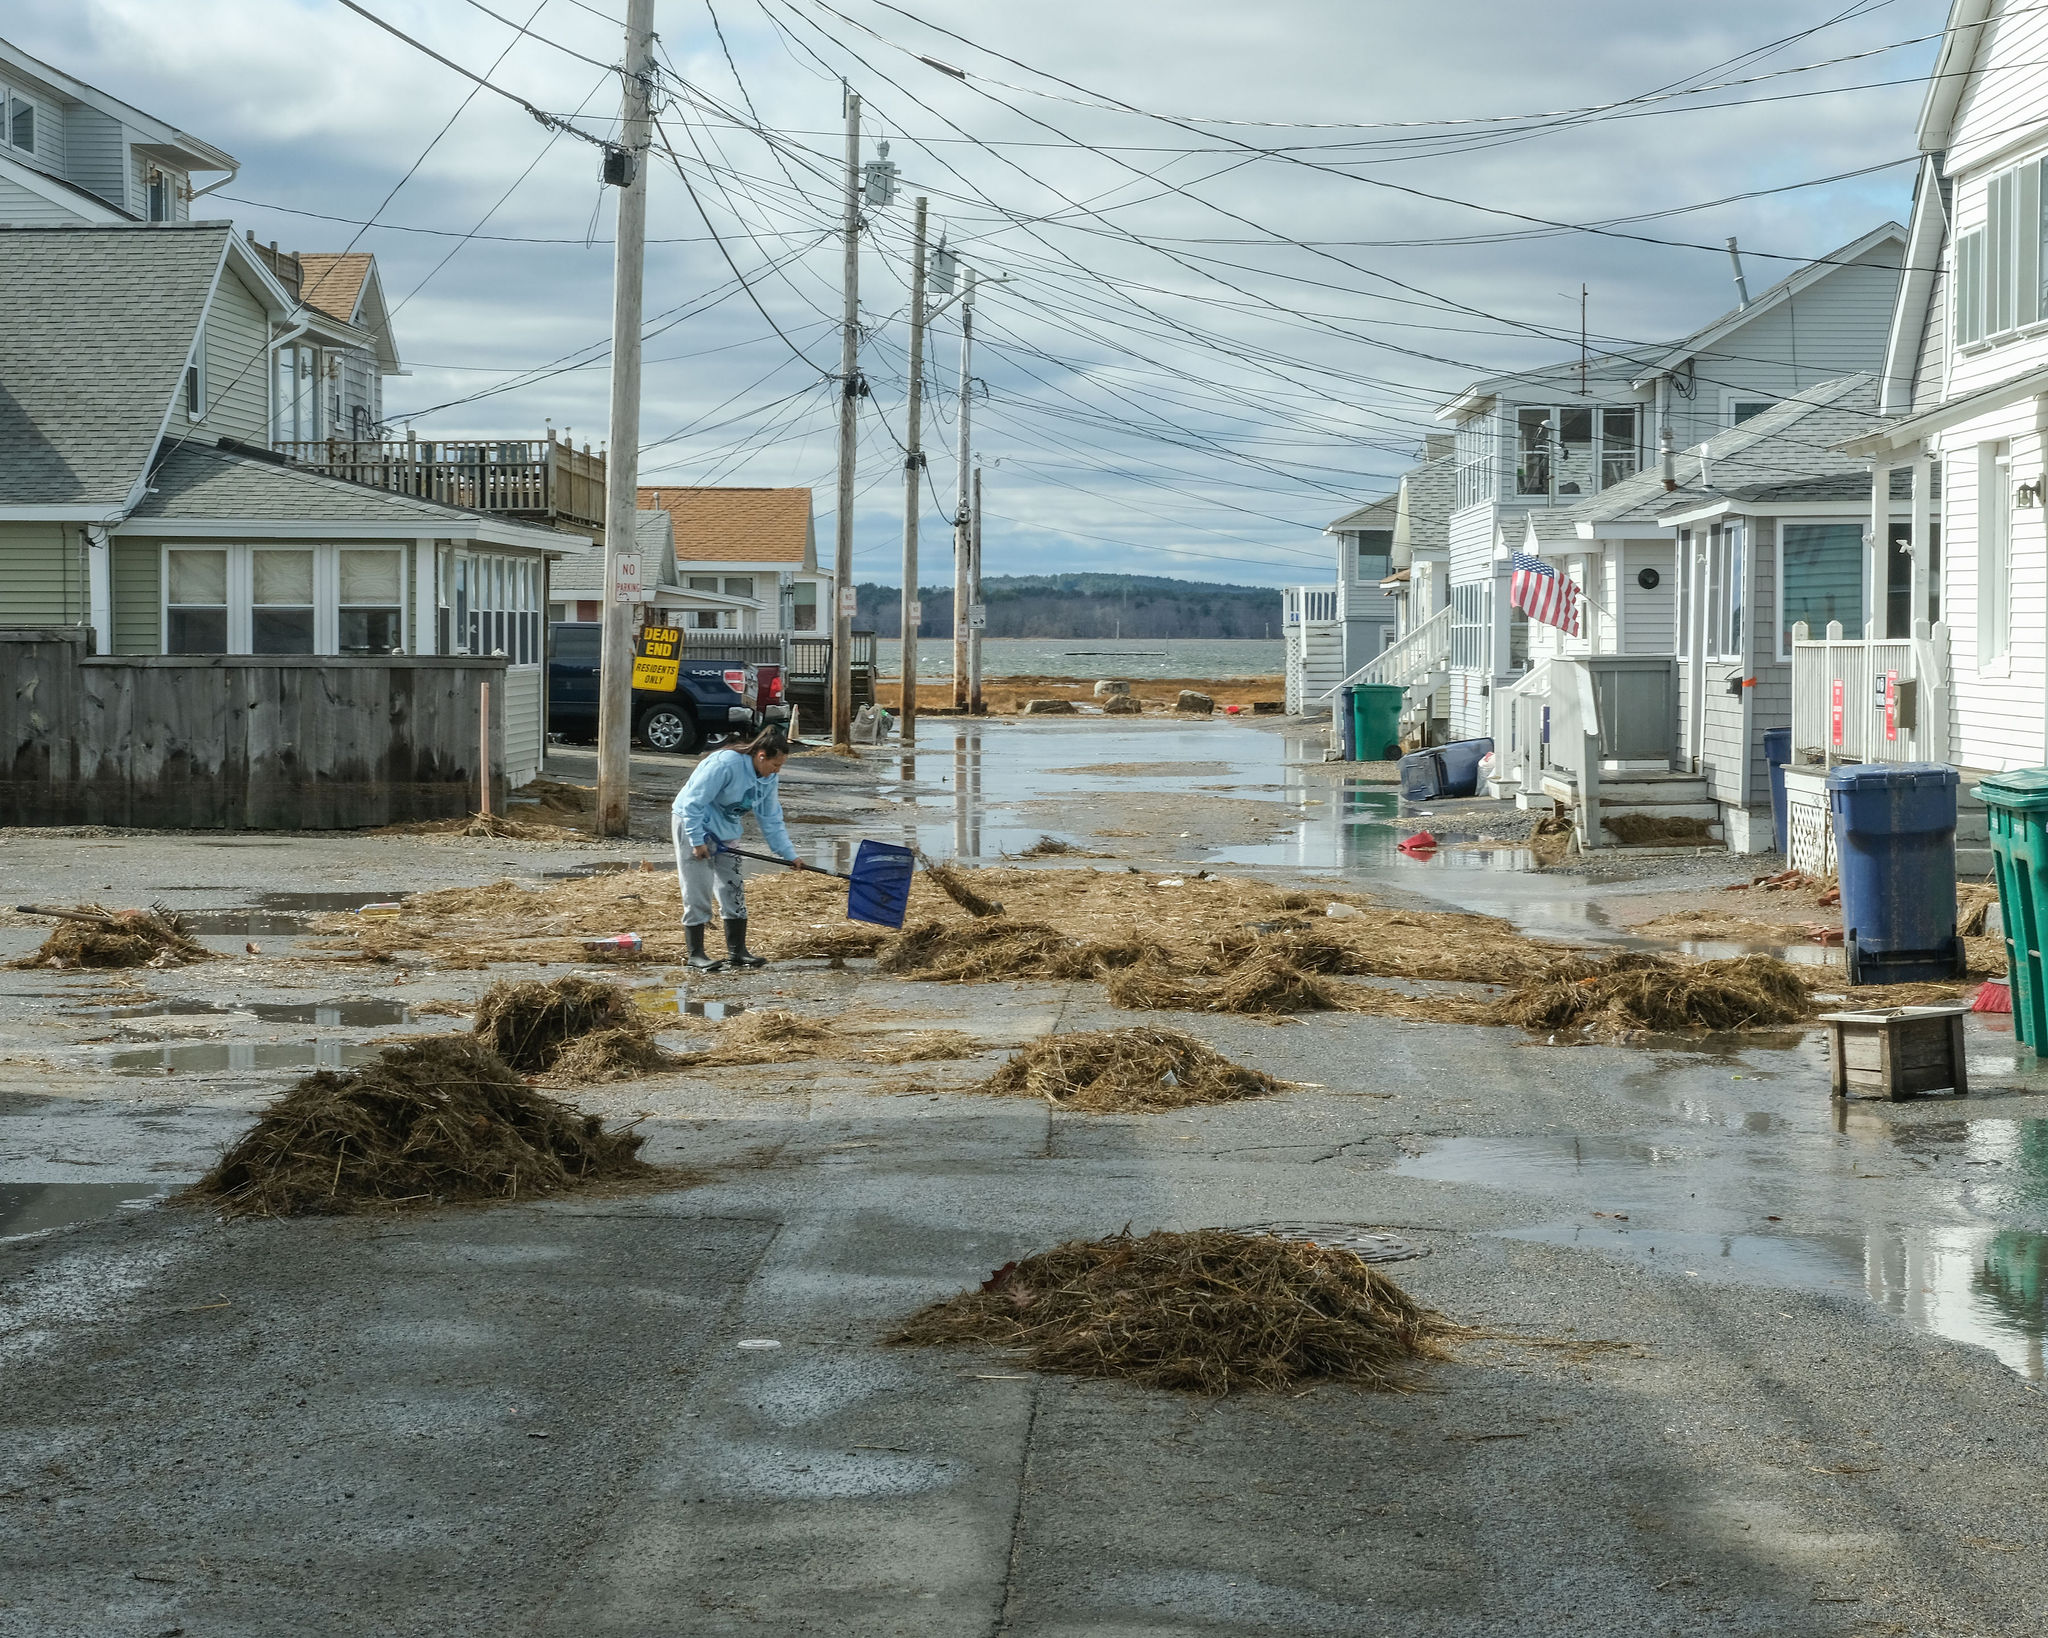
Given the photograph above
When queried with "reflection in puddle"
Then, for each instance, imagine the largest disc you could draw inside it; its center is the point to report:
(278, 913)
(201, 1057)
(364, 1013)
(678, 1004)
(33, 1208)
(1908, 1216)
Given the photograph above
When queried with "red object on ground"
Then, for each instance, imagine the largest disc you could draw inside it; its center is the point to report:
(1420, 842)
(1993, 995)
(1232, 710)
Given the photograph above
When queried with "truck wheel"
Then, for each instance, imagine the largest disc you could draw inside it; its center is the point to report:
(666, 728)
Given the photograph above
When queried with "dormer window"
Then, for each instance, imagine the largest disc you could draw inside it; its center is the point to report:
(19, 120)
(162, 196)
(1571, 450)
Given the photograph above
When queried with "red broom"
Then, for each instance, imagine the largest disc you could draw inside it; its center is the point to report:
(1993, 995)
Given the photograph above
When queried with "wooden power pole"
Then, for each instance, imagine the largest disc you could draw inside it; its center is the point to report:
(976, 610)
(628, 164)
(849, 406)
(962, 547)
(913, 472)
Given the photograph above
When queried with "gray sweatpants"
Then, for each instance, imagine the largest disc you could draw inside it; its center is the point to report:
(701, 878)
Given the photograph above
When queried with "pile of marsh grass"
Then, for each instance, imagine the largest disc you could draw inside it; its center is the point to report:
(437, 1120)
(833, 944)
(1261, 981)
(90, 936)
(976, 952)
(1632, 994)
(1643, 829)
(1212, 1311)
(1047, 847)
(571, 1028)
(924, 1046)
(1139, 1070)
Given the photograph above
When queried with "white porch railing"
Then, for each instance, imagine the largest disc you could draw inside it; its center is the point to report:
(1308, 606)
(1405, 662)
(1880, 699)
(1548, 720)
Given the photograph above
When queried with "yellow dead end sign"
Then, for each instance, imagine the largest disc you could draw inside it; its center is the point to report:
(659, 659)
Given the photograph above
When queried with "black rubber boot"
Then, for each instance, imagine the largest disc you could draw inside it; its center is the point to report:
(736, 944)
(699, 961)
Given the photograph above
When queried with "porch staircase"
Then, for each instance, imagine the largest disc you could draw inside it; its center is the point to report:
(1654, 793)
(1418, 662)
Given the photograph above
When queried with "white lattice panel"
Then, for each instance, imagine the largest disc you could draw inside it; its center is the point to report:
(1810, 835)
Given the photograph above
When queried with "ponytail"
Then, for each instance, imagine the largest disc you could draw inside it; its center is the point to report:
(772, 740)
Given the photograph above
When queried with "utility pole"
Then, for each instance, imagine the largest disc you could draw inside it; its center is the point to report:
(913, 470)
(625, 168)
(849, 403)
(962, 548)
(1582, 341)
(974, 603)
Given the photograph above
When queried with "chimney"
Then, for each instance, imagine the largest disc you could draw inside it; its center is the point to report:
(1670, 460)
(1741, 284)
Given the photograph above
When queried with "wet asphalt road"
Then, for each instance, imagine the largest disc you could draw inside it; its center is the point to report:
(1821, 1413)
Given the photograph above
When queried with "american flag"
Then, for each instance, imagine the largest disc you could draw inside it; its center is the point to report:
(1540, 592)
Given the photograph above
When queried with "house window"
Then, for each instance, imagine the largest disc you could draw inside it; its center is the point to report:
(497, 606)
(195, 379)
(196, 601)
(740, 586)
(1375, 550)
(162, 196)
(1573, 450)
(1476, 474)
(1999, 265)
(20, 116)
(804, 606)
(1727, 585)
(1472, 626)
(1820, 579)
(1994, 553)
(1747, 409)
(372, 601)
(281, 601)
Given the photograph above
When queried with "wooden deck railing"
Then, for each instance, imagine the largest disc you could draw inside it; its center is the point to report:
(540, 479)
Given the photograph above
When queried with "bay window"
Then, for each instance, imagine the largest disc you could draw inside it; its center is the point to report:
(284, 599)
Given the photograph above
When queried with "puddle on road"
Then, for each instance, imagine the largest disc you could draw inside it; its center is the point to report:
(34, 1208)
(278, 914)
(214, 1057)
(363, 1013)
(1937, 1224)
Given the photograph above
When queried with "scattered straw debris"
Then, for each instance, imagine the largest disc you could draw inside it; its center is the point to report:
(1973, 910)
(924, 1046)
(1139, 1070)
(1629, 994)
(1262, 981)
(1645, 829)
(532, 1026)
(1211, 1311)
(953, 883)
(442, 1119)
(1048, 847)
(834, 944)
(978, 952)
(90, 936)
(778, 1037)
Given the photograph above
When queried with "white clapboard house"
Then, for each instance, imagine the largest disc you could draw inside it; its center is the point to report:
(1965, 390)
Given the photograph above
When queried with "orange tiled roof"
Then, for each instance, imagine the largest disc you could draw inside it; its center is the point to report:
(736, 525)
(333, 282)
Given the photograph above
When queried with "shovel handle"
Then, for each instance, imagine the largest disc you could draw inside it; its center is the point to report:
(787, 864)
(69, 915)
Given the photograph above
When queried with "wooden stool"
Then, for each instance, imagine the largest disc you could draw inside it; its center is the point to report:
(1902, 1052)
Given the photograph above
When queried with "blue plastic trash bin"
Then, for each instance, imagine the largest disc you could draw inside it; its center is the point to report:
(1346, 723)
(1461, 765)
(1422, 776)
(1895, 852)
(1778, 752)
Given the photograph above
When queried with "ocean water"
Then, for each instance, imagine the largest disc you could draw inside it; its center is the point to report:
(1213, 658)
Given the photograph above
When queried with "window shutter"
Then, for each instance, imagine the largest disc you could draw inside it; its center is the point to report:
(1970, 288)
(1998, 235)
(2027, 247)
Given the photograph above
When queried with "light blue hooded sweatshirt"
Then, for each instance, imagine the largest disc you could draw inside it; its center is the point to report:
(722, 791)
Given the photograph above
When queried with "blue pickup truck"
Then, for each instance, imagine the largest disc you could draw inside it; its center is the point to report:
(710, 699)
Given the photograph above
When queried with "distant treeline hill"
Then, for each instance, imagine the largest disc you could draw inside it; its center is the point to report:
(1087, 605)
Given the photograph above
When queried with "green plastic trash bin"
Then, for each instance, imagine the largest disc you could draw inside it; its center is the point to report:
(1376, 721)
(2016, 808)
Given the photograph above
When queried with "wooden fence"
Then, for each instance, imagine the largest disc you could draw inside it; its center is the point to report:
(239, 742)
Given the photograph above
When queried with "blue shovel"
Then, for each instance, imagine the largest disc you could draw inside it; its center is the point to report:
(878, 886)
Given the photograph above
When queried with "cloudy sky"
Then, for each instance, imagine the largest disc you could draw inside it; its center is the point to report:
(1249, 250)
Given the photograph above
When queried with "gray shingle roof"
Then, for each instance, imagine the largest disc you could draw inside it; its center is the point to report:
(97, 323)
(1432, 497)
(581, 574)
(202, 481)
(1787, 444)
